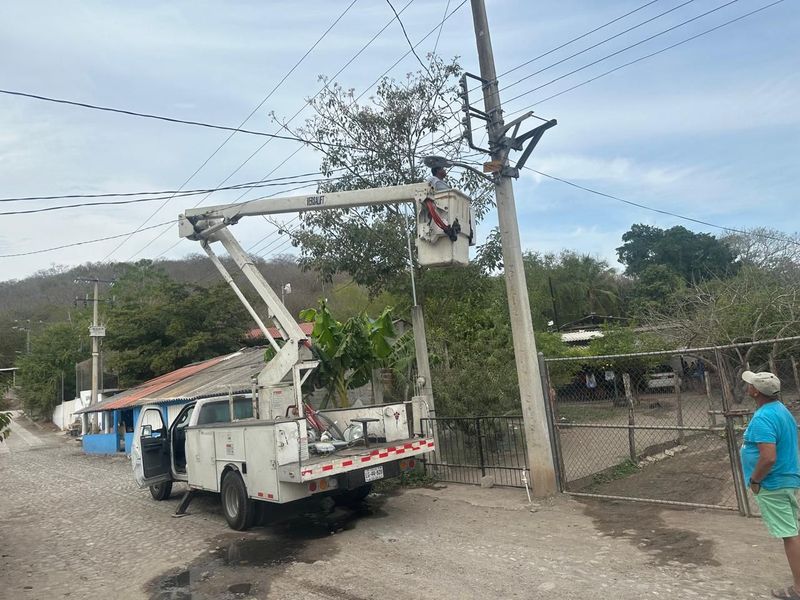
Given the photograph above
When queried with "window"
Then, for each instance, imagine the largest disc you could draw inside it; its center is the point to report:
(242, 408)
(215, 412)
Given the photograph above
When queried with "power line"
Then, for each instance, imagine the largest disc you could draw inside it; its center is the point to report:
(652, 54)
(405, 33)
(438, 35)
(260, 104)
(171, 119)
(658, 210)
(575, 39)
(302, 108)
(94, 241)
(639, 43)
(179, 193)
(600, 43)
(141, 200)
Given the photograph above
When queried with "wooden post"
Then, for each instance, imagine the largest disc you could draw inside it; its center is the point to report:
(796, 377)
(679, 408)
(626, 381)
(772, 366)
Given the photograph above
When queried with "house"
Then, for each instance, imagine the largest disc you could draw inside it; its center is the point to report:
(219, 376)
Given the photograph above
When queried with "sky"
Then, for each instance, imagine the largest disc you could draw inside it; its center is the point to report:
(708, 129)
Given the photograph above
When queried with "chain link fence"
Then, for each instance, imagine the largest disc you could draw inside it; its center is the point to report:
(661, 427)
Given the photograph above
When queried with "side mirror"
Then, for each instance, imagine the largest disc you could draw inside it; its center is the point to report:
(147, 431)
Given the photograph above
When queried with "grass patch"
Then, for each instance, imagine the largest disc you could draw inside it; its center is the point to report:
(410, 479)
(587, 414)
(620, 471)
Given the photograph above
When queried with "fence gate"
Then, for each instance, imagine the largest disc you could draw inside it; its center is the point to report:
(660, 427)
(471, 448)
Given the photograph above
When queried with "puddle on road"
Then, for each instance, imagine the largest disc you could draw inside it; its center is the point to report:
(234, 564)
(642, 525)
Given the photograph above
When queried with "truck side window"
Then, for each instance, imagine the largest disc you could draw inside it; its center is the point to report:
(214, 412)
(242, 408)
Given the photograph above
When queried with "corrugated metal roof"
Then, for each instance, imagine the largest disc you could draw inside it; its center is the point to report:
(256, 334)
(219, 375)
(580, 336)
(153, 386)
(233, 372)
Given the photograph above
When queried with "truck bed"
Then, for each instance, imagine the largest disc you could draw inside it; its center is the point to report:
(351, 459)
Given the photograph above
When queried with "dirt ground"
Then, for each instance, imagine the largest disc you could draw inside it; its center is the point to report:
(699, 472)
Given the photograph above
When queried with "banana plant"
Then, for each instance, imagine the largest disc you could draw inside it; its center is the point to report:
(348, 352)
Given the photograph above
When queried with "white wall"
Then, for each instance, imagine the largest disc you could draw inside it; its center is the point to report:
(63, 413)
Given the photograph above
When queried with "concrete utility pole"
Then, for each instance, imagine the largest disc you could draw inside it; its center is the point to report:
(96, 332)
(537, 434)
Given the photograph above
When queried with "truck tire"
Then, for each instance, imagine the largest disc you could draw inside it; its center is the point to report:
(238, 509)
(354, 497)
(161, 491)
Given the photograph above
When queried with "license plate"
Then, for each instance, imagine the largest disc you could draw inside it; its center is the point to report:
(373, 473)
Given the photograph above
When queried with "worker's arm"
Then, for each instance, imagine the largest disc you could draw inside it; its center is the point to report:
(766, 458)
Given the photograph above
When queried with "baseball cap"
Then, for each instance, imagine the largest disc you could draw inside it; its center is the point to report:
(765, 382)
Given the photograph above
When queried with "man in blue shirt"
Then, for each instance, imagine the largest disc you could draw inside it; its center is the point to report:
(772, 468)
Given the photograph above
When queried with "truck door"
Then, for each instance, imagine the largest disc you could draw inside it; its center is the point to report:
(150, 454)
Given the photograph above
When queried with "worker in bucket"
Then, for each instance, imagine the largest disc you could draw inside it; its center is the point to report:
(437, 179)
(772, 468)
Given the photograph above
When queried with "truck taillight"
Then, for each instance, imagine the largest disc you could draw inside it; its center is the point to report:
(322, 485)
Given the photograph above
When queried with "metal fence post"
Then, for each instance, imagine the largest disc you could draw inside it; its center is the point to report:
(626, 381)
(730, 434)
(480, 447)
(679, 408)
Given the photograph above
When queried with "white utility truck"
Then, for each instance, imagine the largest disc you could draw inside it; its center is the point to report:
(270, 446)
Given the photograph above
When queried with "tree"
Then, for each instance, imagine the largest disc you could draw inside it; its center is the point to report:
(693, 256)
(767, 249)
(655, 287)
(376, 144)
(54, 352)
(347, 351)
(157, 325)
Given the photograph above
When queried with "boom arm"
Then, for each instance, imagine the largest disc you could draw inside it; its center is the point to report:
(292, 363)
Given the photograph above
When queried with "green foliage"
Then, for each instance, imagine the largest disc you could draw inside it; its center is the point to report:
(655, 287)
(693, 256)
(5, 422)
(581, 285)
(54, 352)
(379, 143)
(349, 351)
(620, 471)
(416, 478)
(157, 325)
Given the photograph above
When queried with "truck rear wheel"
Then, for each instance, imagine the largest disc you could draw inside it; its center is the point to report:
(238, 509)
(161, 491)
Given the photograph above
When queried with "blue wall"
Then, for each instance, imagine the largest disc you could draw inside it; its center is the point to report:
(100, 443)
(128, 442)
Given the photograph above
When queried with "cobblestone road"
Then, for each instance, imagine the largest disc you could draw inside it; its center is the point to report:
(74, 526)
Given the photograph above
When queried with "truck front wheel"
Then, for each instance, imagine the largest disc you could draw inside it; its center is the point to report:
(238, 509)
(161, 491)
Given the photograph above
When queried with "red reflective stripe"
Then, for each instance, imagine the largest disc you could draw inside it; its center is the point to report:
(260, 494)
(411, 445)
(365, 458)
(347, 463)
(391, 449)
(401, 451)
(374, 452)
(270, 496)
(327, 468)
(430, 444)
(383, 454)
